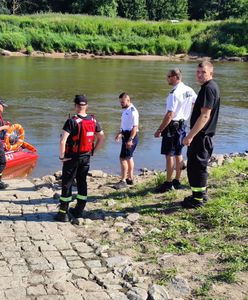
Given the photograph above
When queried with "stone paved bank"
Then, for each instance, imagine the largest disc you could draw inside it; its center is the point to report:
(41, 259)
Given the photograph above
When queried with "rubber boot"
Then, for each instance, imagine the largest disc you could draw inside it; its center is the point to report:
(77, 211)
(62, 214)
(3, 185)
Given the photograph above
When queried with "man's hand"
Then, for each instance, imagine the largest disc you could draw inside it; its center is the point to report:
(118, 137)
(129, 144)
(187, 140)
(157, 133)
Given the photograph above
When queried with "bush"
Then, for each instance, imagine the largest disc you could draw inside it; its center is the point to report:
(14, 41)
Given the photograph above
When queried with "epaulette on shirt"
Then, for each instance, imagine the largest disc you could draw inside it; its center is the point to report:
(172, 91)
(132, 109)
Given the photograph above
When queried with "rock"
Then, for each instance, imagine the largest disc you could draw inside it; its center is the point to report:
(157, 292)
(132, 218)
(97, 174)
(234, 58)
(110, 202)
(180, 286)
(137, 294)
(118, 261)
(58, 175)
(220, 159)
(75, 54)
(5, 53)
(49, 178)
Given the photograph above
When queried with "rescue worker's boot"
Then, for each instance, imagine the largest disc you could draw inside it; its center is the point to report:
(77, 211)
(62, 214)
(3, 185)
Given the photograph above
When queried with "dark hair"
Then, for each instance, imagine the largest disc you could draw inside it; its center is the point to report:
(206, 63)
(123, 95)
(176, 72)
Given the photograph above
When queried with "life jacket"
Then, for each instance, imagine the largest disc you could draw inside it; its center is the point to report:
(83, 139)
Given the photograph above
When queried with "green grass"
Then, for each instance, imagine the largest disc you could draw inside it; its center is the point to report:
(102, 35)
(220, 227)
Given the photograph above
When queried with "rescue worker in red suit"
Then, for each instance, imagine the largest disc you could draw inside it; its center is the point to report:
(3, 127)
(81, 136)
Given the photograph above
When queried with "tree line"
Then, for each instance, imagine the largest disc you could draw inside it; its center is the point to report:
(153, 10)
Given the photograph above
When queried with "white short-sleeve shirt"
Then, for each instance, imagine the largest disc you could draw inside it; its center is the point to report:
(180, 101)
(129, 118)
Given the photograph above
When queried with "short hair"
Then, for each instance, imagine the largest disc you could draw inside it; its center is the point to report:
(206, 63)
(176, 72)
(124, 95)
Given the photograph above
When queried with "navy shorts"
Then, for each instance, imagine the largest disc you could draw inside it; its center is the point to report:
(128, 153)
(172, 145)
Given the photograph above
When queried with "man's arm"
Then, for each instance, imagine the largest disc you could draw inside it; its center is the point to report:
(166, 121)
(100, 138)
(199, 124)
(132, 135)
(63, 139)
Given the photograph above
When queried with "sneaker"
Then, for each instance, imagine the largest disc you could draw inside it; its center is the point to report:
(120, 185)
(3, 185)
(164, 187)
(61, 217)
(129, 181)
(190, 202)
(176, 184)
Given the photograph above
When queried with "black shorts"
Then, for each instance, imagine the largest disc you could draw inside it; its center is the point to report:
(173, 145)
(128, 153)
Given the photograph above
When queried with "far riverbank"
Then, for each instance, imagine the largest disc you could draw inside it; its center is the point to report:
(76, 55)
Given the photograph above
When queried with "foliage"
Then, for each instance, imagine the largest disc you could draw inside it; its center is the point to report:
(57, 32)
(217, 9)
(134, 9)
(164, 9)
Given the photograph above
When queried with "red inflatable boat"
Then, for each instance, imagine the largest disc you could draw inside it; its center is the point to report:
(21, 157)
(20, 163)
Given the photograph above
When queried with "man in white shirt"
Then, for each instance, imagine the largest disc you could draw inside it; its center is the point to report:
(128, 133)
(172, 128)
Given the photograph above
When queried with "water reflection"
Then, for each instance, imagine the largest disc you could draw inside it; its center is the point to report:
(40, 93)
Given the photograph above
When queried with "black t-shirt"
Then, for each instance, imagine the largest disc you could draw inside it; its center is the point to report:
(208, 97)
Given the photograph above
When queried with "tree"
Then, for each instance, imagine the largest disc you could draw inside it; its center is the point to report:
(107, 8)
(167, 9)
(3, 7)
(132, 9)
(217, 9)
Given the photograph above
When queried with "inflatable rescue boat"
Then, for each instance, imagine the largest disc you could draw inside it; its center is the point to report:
(21, 157)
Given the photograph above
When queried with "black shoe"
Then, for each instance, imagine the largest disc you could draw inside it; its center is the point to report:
(129, 182)
(76, 212)
(120, 185)
(3, 185)
(61, 217)
(164, 187)
(176, 184)
(190, 202)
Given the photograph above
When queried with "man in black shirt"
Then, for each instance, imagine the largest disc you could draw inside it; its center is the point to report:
(199, 140)
(77, 144)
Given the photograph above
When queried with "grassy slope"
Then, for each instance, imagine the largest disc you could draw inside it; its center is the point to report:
(219, 229)
(55, 32)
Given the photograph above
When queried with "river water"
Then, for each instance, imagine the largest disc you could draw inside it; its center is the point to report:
(40, 91)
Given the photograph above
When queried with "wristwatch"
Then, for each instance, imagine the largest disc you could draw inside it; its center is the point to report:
(61, 158)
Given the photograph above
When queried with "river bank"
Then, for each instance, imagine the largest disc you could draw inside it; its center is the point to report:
(76, 55)
(131, 244)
